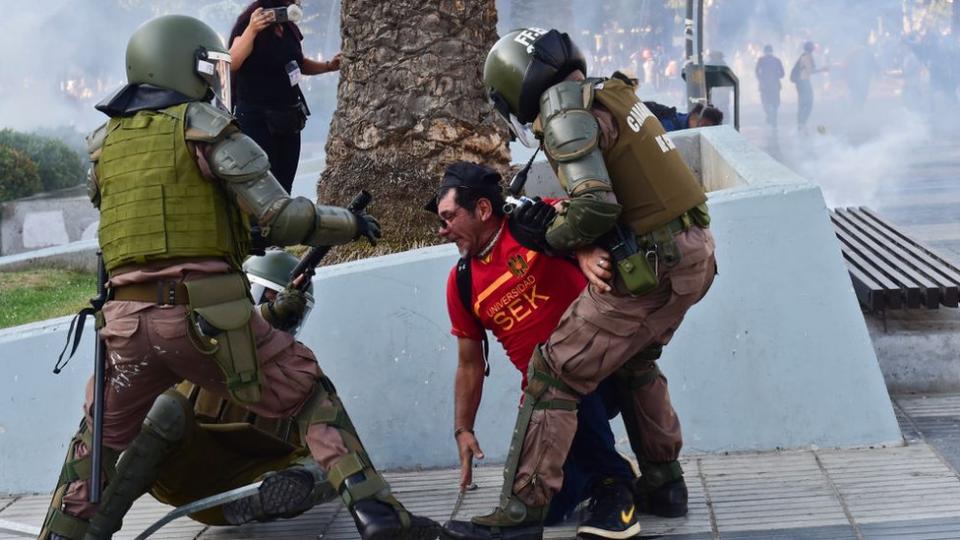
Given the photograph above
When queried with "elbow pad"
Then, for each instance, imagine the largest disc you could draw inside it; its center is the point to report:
(586, 219)
(245, 170)
(571, 138)
(302, 222)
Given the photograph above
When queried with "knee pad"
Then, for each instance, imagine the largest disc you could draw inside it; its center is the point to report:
(170, 417)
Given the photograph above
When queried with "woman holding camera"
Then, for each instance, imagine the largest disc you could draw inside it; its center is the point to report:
(268, 62)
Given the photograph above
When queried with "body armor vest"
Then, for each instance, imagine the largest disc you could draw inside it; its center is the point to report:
(155, 204)
(650, 178)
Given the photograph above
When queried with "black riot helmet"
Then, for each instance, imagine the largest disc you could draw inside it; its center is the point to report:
(523, 64)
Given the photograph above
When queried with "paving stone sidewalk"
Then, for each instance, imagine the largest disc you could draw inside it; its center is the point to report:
(898, 492)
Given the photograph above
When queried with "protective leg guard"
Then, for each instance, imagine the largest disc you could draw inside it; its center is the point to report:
(634, 374)
(283, 494)
(660, 490)
(58, 524)
(514, 518)
(162, 430)
(376, 512)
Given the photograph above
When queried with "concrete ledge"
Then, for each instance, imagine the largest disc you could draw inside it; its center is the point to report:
(81, 256)
(47, 219)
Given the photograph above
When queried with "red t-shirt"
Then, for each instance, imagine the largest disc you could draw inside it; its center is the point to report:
(518, 293)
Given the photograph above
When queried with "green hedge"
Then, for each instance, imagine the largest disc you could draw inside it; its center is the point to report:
(18, 175)
(58, 165)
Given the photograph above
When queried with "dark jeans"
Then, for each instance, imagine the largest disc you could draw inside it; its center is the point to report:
(804, 102)
(771, 103)
(282, 150)
(592, 455)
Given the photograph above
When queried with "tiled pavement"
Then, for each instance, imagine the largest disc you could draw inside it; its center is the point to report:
(900, 492)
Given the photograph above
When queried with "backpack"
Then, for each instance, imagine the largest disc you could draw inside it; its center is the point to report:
(795, 71)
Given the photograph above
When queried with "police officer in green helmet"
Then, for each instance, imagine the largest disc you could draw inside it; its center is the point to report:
(176, 183)
(636, 220)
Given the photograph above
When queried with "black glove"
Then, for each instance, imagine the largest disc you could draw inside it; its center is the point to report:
(530, 222)
(286, 310)
(369, 227)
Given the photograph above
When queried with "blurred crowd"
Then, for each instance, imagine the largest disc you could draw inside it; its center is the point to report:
(919, 67)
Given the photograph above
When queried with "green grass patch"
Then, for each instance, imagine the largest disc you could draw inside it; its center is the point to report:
(46, 293)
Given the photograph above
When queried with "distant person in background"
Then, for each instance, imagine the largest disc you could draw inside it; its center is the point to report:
(800, 76)
(670, 119)
(769, 71)
(700, 116)
(268, 63)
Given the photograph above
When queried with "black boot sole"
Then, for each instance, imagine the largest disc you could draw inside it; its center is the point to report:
(424, 532)
(505, 534)
(279, 496)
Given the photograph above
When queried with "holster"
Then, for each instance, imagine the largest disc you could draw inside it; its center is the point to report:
(219, 310)
(636, 273)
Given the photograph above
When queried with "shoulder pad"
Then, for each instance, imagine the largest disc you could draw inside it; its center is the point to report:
(206, 123)
(570, 131)
(566, 96)
(237, 158)
(95, 141)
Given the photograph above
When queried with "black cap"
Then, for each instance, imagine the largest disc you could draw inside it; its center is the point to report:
(465, 174)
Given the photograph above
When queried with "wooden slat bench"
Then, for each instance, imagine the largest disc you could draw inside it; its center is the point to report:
(889, 269)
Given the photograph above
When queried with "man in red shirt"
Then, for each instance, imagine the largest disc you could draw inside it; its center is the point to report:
(520, 294)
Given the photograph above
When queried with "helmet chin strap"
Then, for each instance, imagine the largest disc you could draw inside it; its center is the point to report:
(523, 132)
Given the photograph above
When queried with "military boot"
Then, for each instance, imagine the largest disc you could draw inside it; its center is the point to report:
(661, 490)
(517, 522)
(386, 519)
(378, 520)
(611, 512)
(668, 500)
(283, 494)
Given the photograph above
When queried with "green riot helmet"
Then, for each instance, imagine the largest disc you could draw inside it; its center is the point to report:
(521, 66)
(269, 274)
(183, 54)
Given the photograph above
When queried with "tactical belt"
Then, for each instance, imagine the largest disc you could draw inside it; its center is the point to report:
(162, 292)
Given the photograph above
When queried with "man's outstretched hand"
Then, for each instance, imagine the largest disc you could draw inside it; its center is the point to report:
(469, 448)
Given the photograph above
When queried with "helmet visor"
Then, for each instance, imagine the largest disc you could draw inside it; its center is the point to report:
(214, 67)
(523, 132)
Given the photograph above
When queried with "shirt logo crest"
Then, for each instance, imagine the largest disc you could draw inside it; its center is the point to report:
(517, 265)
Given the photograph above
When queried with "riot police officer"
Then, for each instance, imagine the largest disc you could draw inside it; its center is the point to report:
(176, 183)
(637, 221)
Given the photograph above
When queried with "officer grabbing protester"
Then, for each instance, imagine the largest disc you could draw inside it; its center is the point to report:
(636, 221)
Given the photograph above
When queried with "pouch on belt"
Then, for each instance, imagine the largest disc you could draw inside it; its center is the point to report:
(219, 310)
(635, 271)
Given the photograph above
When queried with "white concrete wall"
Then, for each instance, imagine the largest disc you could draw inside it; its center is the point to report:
(776, 356)
(48, 219)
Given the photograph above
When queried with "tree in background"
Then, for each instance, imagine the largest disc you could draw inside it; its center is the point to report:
(410, 101)
(18, 174)
(56, 163)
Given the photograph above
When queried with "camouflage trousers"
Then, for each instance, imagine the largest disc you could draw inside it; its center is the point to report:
(149, 350)
(597, 335)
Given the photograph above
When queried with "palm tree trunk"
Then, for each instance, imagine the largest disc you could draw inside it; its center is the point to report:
(410, 101)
